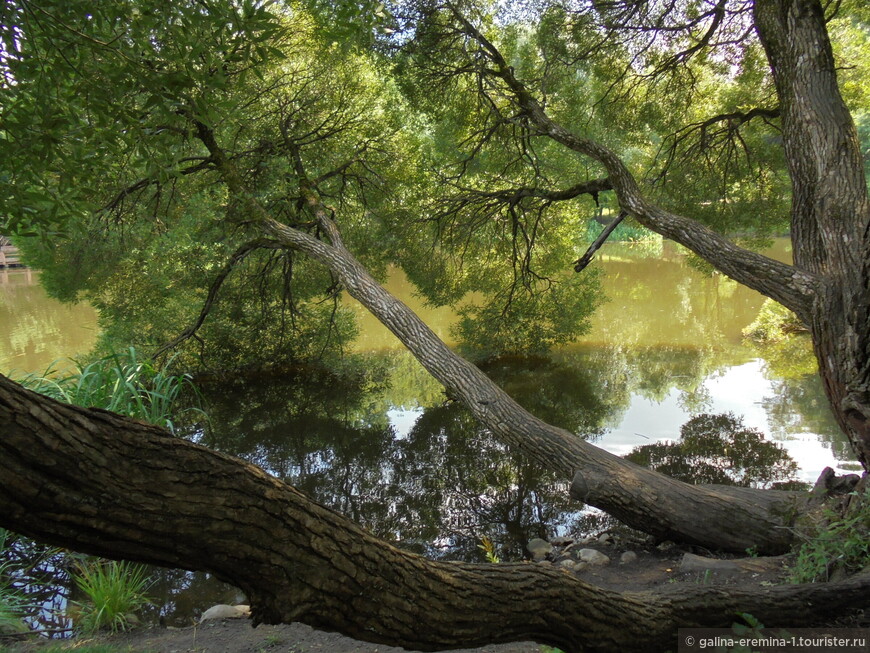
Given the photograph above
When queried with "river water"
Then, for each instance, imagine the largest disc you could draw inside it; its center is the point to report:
(391, 452)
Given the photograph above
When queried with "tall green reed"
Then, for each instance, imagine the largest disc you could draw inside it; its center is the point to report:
(122, 383)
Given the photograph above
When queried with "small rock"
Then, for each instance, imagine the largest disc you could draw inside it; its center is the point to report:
(627, 558)
(223, 611)
(544, 562)
(605, 538)
(539, 548)
(667, 545)
(567, 563)
(838, 574)
(561, 540)
(594, 557)
(580, 566)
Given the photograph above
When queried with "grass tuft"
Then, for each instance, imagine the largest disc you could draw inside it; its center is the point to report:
(114, 591)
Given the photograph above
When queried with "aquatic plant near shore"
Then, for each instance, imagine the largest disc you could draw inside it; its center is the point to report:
(12, 603)
(121, 383)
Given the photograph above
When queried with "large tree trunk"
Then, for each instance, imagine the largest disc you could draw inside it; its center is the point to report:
(107, 485)
(830, 208)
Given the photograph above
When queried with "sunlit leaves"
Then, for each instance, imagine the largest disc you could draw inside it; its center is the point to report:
(91, 91)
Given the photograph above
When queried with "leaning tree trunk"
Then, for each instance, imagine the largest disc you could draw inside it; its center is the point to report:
(114, 487)
(641, 498)
(644, 499)
(830, 208)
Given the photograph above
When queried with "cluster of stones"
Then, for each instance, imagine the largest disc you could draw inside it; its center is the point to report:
(576, 555)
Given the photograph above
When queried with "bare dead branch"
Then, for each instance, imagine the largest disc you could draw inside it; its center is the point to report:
(581, 263)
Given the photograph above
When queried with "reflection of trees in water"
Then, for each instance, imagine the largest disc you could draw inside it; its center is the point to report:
(39, 577)
(436, 490)
(446, 482)
(455, 484)
(719, 449)
(797, 402)
(797, 406)
(655, 300)
(650, 372)
(181, 596)
(443, 483)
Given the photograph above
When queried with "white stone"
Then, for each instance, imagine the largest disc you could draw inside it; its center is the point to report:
(539, 548)
(593, 557)
(224, 611)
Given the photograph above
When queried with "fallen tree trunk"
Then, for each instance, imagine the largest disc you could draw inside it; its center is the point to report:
(107, 485)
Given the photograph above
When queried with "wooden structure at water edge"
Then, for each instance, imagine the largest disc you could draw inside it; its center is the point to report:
(8, 254)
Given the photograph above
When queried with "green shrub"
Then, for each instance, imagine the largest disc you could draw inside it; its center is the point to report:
(843, 544)
(773, 323)
(114, 591)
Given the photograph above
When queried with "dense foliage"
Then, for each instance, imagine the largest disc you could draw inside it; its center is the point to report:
(421, 156)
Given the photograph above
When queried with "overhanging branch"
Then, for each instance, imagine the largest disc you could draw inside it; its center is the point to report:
(789, 285)
(239, 255)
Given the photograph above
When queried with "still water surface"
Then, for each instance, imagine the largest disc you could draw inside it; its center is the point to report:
(388, 449)
(36, 330)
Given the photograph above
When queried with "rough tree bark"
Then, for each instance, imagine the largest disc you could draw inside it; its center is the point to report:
(118, 488)
(830, 209)
(828, 286)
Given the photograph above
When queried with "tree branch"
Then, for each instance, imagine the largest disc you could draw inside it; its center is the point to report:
(514, 195)
(708, 139)
(581, 263)
(789, 285)
(239, 255)
(204, 164)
